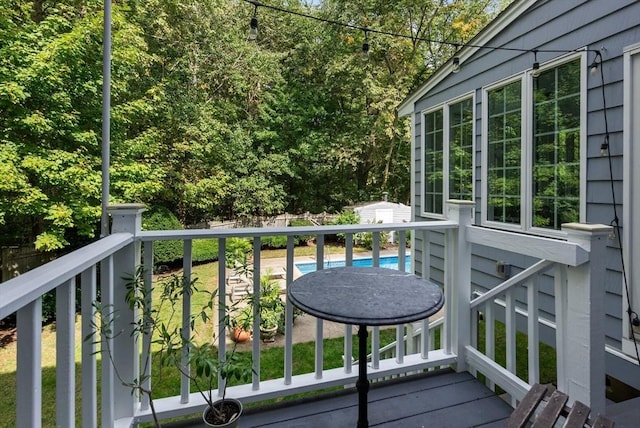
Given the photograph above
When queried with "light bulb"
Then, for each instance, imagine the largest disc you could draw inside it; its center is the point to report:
(455, 67)
(535, 70)
(253, 28)
(604, 149)
(365, 49)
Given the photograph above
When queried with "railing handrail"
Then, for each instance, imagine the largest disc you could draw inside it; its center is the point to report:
(159, 235)
(24, 289)
(514, 281)
(552, 249)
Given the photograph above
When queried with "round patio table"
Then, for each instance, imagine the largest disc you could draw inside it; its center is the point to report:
(365, 296)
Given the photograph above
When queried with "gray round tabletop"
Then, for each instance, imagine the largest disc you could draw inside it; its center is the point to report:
(365, 296)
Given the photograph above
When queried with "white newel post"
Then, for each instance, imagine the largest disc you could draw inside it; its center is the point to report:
(126, 218)
(583, 319)
(458, 281)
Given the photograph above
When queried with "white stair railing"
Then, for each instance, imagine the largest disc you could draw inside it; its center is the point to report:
(577, 268)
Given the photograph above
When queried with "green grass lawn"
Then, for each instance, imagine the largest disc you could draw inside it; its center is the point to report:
(547, 353)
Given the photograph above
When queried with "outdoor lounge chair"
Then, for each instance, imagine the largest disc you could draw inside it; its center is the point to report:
(239, 286)
(550, 408)
(275, 273)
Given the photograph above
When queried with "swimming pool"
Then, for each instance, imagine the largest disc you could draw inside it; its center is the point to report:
(390, 262)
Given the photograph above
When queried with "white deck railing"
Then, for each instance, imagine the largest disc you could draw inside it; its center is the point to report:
(104, 264)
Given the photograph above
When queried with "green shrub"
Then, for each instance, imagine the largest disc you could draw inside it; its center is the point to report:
(160, 218)
(274, 242)
(302, 239)
(237, 252)
(346, 217)
(205, 250)
(365, 240)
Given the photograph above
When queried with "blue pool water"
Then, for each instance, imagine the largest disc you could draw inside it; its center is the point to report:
(390, 262)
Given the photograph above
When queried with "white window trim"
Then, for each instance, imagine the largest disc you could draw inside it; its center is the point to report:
(526, 213)
(485, 152)
(583, 142)
(630, 185)
(446, 149)
(423, 180)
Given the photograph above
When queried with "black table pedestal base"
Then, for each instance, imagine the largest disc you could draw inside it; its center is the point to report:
(359, 296)
(362, 385)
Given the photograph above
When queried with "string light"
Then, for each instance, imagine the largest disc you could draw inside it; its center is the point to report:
(535, 72)
(253, 25)
(535, 69)
(455, 67)
(593, 68)
(365, 45)
(413, 38)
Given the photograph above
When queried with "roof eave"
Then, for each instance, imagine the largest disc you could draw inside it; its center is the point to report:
(510, 14)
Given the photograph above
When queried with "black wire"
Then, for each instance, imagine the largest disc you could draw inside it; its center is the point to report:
(616, 220)
(632, 315)
(406, 36)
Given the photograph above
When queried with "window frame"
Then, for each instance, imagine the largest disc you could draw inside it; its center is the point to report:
(527, 143)
(630, 183)
(446, 147)
(485, 152)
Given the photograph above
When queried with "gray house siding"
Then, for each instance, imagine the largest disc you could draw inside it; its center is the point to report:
(564, 25)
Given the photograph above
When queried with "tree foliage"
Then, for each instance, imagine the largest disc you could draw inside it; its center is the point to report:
(205, 122)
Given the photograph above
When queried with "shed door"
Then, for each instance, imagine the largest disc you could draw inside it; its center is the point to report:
(384, 215)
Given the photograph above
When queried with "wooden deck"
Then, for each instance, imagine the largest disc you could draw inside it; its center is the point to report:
(438, 399)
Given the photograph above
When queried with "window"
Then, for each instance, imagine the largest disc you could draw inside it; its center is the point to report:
(448, 152)
(504, 165)
(532, 151)
(461, 150)
(434, 167)
(556, 146)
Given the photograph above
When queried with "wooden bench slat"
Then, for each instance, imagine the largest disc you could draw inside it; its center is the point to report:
(550, 413)
(525, 409)
(577, 416)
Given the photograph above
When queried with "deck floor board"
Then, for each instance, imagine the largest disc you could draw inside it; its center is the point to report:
(444, 399)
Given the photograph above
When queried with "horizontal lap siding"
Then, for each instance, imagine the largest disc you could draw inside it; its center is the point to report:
(561, 25)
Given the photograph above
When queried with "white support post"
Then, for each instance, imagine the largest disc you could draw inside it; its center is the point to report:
(127, 218)
(187, 264)
(319, 325)
(458, 269)
(257, 293)
(108, 375)
(288, 329)
(88, 282)
(533, 329)
(29, 372)
(584, 335)
(65, 354)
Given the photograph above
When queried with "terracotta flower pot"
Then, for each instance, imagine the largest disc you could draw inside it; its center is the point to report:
(240, 335)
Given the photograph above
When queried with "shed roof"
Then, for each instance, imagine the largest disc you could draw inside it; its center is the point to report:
(378, 205)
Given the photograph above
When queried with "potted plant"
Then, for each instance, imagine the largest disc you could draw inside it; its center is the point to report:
(205, 369)
(160, 321)
(240, 325)
(270, 306)
(137, 297)
(219, 412)
(269, 322)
